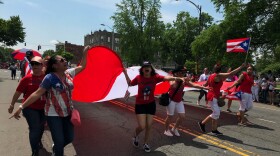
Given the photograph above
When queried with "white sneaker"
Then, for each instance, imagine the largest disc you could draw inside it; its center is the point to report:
(168, 133)
(198, 103)
(175, 131)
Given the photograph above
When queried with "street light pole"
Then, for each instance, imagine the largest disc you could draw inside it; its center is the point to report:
(113, 35)
(198, 7)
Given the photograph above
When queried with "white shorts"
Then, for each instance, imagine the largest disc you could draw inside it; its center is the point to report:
(179, 106)
(246, 102)
(215, 108)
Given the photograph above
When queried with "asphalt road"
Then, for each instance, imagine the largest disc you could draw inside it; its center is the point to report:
(107, 129)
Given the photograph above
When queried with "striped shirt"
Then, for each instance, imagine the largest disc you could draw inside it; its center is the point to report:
(58, 102)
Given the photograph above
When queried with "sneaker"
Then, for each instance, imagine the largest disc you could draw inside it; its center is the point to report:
(147, 148)
(168, 133)
(175, 131)
(201, 126)
(216, 133)
(135, 141)
(228, 110)
(198, 103)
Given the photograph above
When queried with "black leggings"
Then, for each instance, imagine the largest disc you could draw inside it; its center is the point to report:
(202, 93)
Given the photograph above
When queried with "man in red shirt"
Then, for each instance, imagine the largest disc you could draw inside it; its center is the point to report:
(34, 113)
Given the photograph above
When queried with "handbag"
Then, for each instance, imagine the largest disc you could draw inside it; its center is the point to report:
(221, 102)
(75, 118)
(164, 98)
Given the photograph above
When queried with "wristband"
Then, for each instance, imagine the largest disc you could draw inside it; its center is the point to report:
(21, 107)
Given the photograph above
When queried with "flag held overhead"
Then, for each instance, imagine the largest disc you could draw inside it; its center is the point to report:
(238, 45)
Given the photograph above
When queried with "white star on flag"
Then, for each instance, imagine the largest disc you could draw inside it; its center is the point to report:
(245, 44)
(57, 85)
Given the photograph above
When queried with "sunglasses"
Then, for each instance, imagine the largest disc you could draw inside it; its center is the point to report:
(62, 60)
(34, 63)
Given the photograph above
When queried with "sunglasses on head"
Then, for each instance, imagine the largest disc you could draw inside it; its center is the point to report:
(34, 63)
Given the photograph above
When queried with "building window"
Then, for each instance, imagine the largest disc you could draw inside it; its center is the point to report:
(117, 49)
(109, 39)
(102, 38)
(117, 40)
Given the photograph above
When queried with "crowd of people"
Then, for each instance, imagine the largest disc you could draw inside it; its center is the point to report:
(47, 98)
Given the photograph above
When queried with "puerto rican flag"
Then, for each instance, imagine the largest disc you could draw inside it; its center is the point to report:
(27, 67)
(238, 45)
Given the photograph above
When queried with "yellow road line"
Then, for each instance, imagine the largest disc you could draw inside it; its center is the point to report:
(205, 137)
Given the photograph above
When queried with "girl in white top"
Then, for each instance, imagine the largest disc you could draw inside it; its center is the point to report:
(255, 89)
(271, 86)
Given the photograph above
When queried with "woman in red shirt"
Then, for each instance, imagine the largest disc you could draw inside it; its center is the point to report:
(176, 101)
(34, 113)
(145, 106)
(215, 81)
(245, 81)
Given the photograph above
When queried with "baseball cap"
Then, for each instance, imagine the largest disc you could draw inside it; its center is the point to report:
(29, 53)
(146, 63)
(179, 69)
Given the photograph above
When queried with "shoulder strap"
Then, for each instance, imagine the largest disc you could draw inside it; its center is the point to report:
(179, 85)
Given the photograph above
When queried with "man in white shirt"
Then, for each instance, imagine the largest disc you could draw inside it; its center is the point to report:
(203, 77)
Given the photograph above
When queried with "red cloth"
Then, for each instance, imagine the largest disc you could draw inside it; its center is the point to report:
(96, 80)
(179, 95)
(27, 86)
(246, 84)
(146, 88)
(216, 86)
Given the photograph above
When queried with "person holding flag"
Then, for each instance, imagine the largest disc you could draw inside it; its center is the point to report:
(245, 82)
(215, 81)
(25, 67)
(145, 107)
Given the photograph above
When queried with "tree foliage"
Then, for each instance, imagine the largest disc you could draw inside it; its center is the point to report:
(137, 22)
(5, 54)
(11, 31)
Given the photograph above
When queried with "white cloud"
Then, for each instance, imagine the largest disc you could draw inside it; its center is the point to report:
(31, 4)
(54, 42)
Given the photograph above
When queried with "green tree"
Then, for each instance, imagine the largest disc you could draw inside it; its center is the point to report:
(11, 31)
(48, 53)
(137, 22)
(177, 38)
(5, 54)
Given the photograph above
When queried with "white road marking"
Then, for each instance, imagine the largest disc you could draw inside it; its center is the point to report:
(268, 108)
(267, 120)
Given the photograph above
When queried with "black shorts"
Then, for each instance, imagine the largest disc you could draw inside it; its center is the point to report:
(149, 108)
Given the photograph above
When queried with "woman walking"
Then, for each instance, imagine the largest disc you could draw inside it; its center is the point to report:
(58, 84)
(34, 113)
(176, 96)
(245, 81)
(145, 106)
(215, 81)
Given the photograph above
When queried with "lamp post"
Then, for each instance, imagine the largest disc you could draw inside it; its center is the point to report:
(112, 29)
(198, 7)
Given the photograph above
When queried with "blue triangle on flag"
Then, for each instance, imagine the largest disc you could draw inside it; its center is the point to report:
(238, 95)
(245, 44)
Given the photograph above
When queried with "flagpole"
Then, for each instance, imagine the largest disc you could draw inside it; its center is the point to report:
(248, 50)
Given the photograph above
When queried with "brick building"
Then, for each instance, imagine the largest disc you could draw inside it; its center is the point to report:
(103, 38)
(76, 50)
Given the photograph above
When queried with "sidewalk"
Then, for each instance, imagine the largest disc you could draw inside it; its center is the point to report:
(14, 133)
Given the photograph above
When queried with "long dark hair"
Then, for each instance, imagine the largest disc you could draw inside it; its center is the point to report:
(153, 72)
(51, 61)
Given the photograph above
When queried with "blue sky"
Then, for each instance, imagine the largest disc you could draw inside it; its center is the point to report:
(49, 21)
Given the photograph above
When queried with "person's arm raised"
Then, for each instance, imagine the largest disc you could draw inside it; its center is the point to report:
(240, 79)
(83, 63)
(226, 75)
